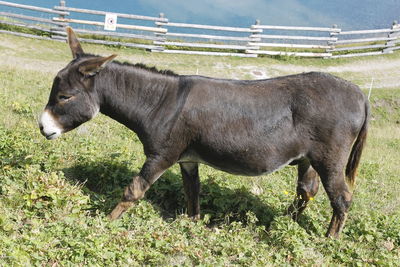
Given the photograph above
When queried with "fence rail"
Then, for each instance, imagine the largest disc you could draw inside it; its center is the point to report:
(31, 18)
(41, 9)
(98, 12)
(291, 28)
(99, 23)
(159, 34)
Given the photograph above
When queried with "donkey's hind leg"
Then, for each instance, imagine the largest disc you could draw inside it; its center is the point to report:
(340, 198)
(339, 195)
(191, 184)
(307, 188)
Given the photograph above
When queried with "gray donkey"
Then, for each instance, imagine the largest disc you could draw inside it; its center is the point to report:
(314, 120)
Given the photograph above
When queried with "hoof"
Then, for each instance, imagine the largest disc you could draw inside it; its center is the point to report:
(195, 217)
(119, 210)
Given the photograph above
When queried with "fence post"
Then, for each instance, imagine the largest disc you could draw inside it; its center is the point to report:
(161, 37)
(60, 28)
(252, 44)
(389, 44)
(333, 34)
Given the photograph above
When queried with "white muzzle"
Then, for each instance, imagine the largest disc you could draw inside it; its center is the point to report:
(49, 126)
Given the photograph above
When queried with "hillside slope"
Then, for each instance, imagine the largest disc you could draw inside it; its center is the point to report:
(54, 196)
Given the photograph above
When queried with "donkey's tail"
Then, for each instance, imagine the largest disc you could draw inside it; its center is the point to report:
(356, 151)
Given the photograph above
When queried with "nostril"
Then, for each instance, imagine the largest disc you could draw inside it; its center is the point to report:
(41, 127)
(51, 136)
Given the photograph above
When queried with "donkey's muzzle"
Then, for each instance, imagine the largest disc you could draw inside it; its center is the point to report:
(48, 126)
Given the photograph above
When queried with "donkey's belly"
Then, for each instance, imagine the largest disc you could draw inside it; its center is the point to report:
(249, 166)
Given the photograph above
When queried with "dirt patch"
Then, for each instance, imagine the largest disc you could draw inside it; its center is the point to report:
(50, 67)
(254, 72)
(379, 73)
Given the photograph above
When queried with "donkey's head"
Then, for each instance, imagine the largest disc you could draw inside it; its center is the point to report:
(73, 99)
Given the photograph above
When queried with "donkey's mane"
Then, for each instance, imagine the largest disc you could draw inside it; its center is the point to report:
(145, 67)
(137, 65)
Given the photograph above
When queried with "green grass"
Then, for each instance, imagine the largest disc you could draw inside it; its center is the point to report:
(55, 195)
(13, 28)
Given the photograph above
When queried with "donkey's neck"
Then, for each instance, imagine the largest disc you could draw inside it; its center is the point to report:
(138, 98)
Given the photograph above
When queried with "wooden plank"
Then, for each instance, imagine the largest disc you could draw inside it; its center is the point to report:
(368, 31)
(357, 48)
(98, 12)
(24, 17)
(365, 40)
(27, 35)
(204, 53)
(358, 55)
(103, 42)
(392, 43)
(283, 53)
(395, 48)
(122, 26)
(34, 8)
(213, 37)
(24, 25)
(202, 45)
(396, 41)
(113, 34)
(395, 34)
(294, 37)
(208, 27)
(320, 29)
(291, 45)
(392, 49)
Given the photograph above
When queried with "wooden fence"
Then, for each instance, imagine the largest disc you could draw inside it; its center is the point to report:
(158, 34)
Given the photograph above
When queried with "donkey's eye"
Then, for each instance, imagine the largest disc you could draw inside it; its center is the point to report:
(64, 97)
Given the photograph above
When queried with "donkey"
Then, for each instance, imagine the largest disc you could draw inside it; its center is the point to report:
(314, 120)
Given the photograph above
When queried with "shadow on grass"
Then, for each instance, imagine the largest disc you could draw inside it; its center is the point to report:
(105, 181)
(307, 224)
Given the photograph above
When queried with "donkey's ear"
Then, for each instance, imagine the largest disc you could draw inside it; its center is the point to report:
(74, 44)
(93, 65)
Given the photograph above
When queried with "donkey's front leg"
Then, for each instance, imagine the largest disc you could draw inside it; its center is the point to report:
(191, 184)
(150, 172)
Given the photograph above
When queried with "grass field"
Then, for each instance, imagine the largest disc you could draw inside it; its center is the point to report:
(55, 195)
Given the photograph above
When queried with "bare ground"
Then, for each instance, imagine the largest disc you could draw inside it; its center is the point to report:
(378, 72)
